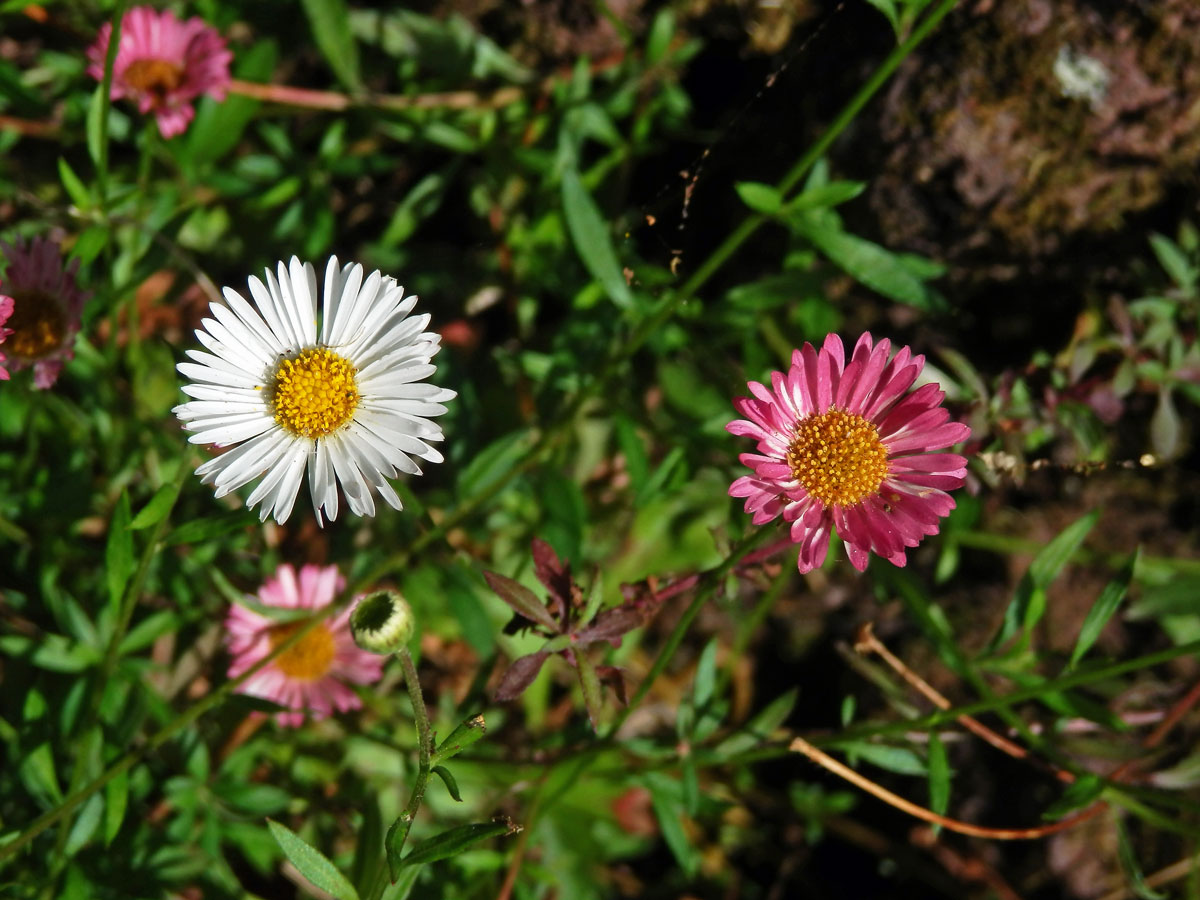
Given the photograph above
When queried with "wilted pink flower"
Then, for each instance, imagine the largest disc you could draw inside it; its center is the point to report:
(46, 308)
(163, 64)
(311, 675)
(840, 446)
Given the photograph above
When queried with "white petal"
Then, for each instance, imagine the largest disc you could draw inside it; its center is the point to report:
(351, 281)
(266, 304)
(333, 293)
(213, 375)
(253, 320)
(358, 494)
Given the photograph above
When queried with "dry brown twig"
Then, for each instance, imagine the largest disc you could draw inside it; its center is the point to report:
(868, 643)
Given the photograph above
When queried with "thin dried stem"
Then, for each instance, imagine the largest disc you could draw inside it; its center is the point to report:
(866, 642)
(799, 745)
(1173, 872)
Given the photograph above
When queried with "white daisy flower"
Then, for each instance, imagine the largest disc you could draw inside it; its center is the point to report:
(349, 405)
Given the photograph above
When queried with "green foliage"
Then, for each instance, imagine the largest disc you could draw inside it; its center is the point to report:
(642, 652)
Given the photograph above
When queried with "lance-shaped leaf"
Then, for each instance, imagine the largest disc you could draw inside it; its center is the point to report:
(520, 675)
(447, 779)
(522, 599)
(612, 623)
(456, 840)
(312, 864)
(462, 737)
(555, 575)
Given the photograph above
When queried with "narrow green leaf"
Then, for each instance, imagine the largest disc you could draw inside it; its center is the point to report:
(900, 760)
(116, 799)
(462, 737)
(939, 777)
(662, 31)
(666, 797)
(706, 676)
(1102, 610)
(1052, 559)
(1028, 603)
(1130, 865)
(1165, 426)
(198, 531)
(456, 840)
(76, 189)
(763, 198)
(218, 127)
(36, 771)
(89, 244)
(760, 728)
(827, 195)
(311, 863)
(885, 272)
(592, 240)
(85, 825)
(118, 555)
(95, 125)
(418, 204)
(330, 21)
(1174, 261)
(493, 462)
(1079, 793)
(447, 779)
(158, 508)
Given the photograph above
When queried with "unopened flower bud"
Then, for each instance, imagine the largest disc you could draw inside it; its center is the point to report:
(382, 622)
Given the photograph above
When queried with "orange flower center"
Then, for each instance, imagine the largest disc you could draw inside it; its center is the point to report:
(314, 393)
(38, 324)
(155, 77)
(309, 658)
(838, 457)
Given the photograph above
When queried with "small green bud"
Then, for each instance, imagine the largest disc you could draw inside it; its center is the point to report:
(382, 622)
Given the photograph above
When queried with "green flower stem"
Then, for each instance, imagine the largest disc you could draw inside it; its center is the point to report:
(425, 754)
(110, 59)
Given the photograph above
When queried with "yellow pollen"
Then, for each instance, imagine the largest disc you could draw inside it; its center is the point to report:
(838, 457)
(307, 660)
(314, 393)
(155, 77)
(38, 324)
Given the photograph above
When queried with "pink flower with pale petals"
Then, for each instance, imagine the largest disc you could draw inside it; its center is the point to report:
(843, 446)
(310, 676)
(44, 311)
(163, 65)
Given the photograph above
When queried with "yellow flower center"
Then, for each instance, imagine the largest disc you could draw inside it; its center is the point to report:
(838, 457)
(309, 658)
(38, 324)
(314, 393)
(156, 77)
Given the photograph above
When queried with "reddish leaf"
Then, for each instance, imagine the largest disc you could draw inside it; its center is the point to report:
(610, 624)
(522, 599)
(555, 575)
(615, 679)
(520, 675)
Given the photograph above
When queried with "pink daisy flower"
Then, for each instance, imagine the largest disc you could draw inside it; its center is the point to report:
(842, 446)
(310, 676)
(45, 309)
(163, 64)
